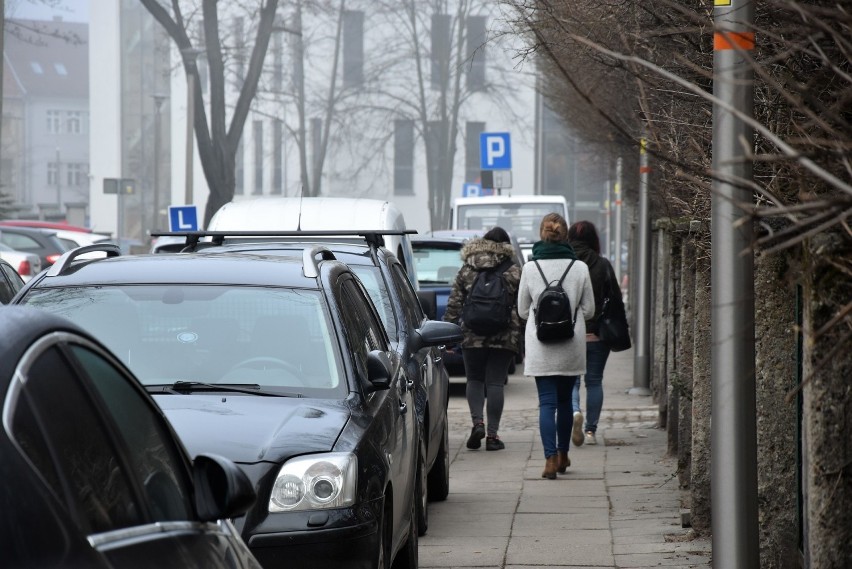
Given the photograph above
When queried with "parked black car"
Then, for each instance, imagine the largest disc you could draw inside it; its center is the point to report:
(42, 242)
(281, 364)
(91, 473)
(403, 316)
(10, 282)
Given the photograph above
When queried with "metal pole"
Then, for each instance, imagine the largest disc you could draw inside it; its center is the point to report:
(58, 182)
(642, 333)
(190, 134)
(608, 219)
(618, 220)
(733, 432)
(158, 103)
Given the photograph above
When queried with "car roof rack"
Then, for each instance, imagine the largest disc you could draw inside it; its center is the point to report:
(310, 263)
(374, 237)
(64, 262)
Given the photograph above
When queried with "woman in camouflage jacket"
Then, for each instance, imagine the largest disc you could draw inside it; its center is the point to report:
(486, 358)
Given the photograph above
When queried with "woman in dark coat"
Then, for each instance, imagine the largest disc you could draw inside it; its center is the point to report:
(583, 237)
(486, 358)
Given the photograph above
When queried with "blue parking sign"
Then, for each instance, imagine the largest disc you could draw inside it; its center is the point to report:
(183, 218)
(495, 151)
(471, 190)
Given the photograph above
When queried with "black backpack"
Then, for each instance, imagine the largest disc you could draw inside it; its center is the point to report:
(487, 310)
(554, 321)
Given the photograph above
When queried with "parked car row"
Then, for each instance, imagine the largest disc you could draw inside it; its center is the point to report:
(304, 358)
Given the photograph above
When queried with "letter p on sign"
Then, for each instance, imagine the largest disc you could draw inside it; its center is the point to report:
(495, 151)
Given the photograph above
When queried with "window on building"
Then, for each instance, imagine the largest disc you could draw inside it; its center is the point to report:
(278, 58)
(440, 36)
(403, 157)
(7, 175)
(239, 51)
(353, 48)
(60, 69)
(257, 128)
(316, 142)
(239, 170)
(74, 122)
(476, 36)
(471, 151)
(36, 66)
(54, 122)
(278, 159)
(434, 145)
(76, 174)
(52, 173)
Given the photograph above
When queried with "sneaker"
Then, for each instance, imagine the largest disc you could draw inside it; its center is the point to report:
(590, 438)
(577, 431)
(477, 433)
(494, 443)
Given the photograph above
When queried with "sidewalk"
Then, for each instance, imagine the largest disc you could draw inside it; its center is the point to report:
(618, 505)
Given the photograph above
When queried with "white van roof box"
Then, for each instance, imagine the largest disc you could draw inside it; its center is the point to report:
(315, 213)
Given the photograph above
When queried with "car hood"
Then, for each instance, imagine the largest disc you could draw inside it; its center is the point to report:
(250, 429)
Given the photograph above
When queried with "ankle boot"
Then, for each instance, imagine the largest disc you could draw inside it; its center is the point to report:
(550, 467)
(563, 461)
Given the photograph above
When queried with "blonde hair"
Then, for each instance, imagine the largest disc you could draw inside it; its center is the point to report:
(553, 228)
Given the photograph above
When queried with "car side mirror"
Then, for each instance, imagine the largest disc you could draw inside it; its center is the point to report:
(222, 489)
(379, 370)
(437, 333)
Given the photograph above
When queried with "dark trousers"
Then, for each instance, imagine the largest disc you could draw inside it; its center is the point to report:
(487, 370)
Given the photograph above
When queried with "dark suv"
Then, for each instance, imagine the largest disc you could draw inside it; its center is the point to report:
(400, 309)
(280, 363)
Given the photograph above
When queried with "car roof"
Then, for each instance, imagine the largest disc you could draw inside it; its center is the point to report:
(349, 253)
(226, 268)
(44, 224)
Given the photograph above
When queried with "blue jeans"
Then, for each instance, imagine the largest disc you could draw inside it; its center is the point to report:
(555, 414)
(596, 356)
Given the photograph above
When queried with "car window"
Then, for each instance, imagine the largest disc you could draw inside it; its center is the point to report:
(6, 290)
(19, 242)
(273, 337)
(155, 461)
(371, 277)
(408, 298)
(97, 484)
(362, 329)
(436, 265)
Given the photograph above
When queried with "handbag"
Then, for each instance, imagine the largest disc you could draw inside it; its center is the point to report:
(612, 327)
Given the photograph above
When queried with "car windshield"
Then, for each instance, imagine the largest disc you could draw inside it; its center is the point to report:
(436, 265)
(274, 338)
(520, 219)
(371, 276)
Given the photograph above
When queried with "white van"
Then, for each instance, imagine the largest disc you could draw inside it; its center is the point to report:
(319, 214)
(520, 215)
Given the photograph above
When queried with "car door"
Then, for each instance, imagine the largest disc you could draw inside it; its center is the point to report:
(393, 409)
(115, 463)
(425, 362)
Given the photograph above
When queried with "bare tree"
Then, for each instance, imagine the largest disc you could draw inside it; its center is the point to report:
(217, 137)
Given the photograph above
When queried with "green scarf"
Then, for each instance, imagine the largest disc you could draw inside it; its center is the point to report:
(551, 250)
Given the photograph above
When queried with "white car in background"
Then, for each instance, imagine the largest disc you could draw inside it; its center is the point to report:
(73, 239)
(27, 265)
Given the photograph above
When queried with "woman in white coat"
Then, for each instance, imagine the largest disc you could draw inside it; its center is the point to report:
(556, 366)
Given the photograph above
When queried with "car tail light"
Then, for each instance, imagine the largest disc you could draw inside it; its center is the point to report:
(24, 269)
(53, 258)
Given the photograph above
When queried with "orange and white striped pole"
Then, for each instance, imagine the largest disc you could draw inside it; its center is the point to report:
(732, 368)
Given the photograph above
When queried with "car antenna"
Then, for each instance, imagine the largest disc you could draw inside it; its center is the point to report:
(299, 219)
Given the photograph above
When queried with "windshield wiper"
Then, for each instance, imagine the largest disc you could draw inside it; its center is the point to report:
(195, 386)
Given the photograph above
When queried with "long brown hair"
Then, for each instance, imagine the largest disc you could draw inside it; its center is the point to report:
(553, 228)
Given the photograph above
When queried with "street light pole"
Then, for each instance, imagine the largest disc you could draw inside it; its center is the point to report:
(158, 103)
(190, 56)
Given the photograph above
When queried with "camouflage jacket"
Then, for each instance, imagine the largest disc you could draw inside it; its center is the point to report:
(479, 254)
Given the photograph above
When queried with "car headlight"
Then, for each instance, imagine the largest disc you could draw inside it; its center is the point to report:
(315, 482)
